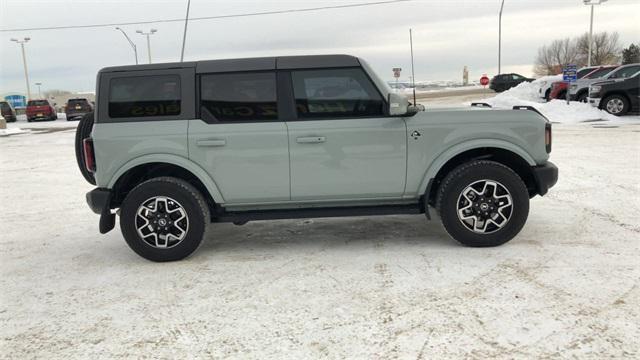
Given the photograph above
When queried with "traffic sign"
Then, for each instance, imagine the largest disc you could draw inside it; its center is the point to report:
(484, 80)
(396, 72)
(570, 73)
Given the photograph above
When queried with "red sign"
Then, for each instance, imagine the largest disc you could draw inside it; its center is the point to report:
(484, 80)
(396, 72)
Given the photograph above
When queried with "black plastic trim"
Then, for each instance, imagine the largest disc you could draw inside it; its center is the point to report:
(546, 176)
(480, 104)
(244, 216)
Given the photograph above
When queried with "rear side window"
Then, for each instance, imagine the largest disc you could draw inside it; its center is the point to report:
(144, 96)
(335, 93)
(239, 97)
(625, 72)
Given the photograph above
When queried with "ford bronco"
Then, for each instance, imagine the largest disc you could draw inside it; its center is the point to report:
(173, 147)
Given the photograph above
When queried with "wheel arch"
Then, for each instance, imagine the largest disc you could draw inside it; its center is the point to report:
(146, 167)
(611, 93)
(505, 153)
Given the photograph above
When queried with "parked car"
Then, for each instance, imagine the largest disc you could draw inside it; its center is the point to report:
(616, 96)
(176, 146)
(558, 89)
(40, 110)
(7, 111)
(504, 82)
(77, 108)
(579, 91)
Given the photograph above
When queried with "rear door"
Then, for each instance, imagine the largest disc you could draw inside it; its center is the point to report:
(342, 144)
(239, 138)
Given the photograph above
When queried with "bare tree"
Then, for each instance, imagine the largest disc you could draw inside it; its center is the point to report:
(605, 49)
(552, 58)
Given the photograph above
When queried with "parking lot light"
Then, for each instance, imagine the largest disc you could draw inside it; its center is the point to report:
(592, 3)
(150, 32)
(24, 62)
(135, 48)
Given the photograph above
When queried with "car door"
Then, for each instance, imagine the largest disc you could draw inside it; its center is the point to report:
(342, 145)
(239, 138)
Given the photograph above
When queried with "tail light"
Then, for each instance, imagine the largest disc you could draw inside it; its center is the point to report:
(547, 137)
(89, 156)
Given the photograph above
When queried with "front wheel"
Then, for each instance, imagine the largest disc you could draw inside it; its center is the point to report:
(483, 203)
(164, 219)
(616, 105)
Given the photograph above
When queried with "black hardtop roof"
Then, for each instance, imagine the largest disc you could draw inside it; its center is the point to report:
(248, 64)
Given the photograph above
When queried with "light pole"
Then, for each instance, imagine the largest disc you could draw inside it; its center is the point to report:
(500, 36)
(39, 93)
(592, 3)
(151, 32)
(24, 62)
(184, 35)
(135, 49)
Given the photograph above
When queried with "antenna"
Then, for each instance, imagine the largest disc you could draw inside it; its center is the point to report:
(413, 75)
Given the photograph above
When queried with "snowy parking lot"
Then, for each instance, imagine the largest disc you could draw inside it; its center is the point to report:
(378, 287)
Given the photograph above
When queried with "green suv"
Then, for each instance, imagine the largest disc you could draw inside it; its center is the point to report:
(172, 147)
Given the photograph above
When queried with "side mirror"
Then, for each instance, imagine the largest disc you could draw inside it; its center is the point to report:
(398, 104)
(414, 109)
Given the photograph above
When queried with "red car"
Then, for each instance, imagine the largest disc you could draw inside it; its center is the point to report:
(559, 88)
(40, 110)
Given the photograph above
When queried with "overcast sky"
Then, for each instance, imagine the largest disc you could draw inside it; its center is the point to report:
(448, 34)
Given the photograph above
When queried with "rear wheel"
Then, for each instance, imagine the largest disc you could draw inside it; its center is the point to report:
(164, 219)
(582, 98)
(483, 203)
(84, 131)
(616, 105)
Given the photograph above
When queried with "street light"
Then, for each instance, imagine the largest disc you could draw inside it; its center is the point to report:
(500, 36)
(151, 32)
(135, 50)
(592, 3)
(24, 62)
(39, 93)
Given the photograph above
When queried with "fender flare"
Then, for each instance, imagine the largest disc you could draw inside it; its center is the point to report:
(182, 162)
(455, 150)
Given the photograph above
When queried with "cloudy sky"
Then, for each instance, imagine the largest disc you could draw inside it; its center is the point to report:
(448, 34)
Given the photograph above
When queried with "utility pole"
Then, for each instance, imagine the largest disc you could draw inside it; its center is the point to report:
(184, 35)
(500, 37)
(592, 3)
(39, 93)
(135, 49)
(151, 32)
(24, 62)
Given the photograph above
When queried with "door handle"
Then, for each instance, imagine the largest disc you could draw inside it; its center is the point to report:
(212, 142)
(311, 140)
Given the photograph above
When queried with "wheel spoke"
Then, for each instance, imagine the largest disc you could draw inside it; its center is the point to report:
(486, 210)
(161, 222)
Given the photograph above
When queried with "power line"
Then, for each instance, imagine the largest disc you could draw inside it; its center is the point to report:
(274, 12)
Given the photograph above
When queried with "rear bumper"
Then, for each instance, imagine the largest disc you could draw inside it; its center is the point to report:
(98, 199)
(545, 176)
(75, 115)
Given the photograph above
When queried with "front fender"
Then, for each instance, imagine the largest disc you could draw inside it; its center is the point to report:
(458, 149)
(184, 163)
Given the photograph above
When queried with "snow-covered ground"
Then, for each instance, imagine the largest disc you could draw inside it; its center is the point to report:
(370, 288)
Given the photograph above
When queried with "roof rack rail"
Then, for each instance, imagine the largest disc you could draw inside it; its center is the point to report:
(480, 104)
(531, 108)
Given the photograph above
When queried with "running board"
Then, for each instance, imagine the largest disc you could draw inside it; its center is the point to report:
(303, 213)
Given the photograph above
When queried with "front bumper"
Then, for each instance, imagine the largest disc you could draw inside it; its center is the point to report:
(595, 102)
(545, 177)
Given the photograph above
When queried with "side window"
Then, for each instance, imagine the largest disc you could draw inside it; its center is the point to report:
(335, 93)
(625, 72)
(516, 77)
(239, 96)
(144, 96)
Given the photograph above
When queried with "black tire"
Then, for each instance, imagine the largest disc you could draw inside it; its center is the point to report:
(562, 95)
(84, 131)
(610, 109)
(457, 180)
(547, 95)
(582, 97)
(191, 201)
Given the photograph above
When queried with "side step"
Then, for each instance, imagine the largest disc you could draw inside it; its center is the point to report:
(244, 216)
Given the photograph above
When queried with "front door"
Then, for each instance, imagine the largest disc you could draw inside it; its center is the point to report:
(342, 146)
(239, 139)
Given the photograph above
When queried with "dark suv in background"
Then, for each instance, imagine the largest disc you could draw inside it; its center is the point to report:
(504, 82)
(616, 96)
(76, 108)
(7, 111)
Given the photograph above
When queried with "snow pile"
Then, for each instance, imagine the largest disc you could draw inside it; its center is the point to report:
(554, 110)
(12, 131)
